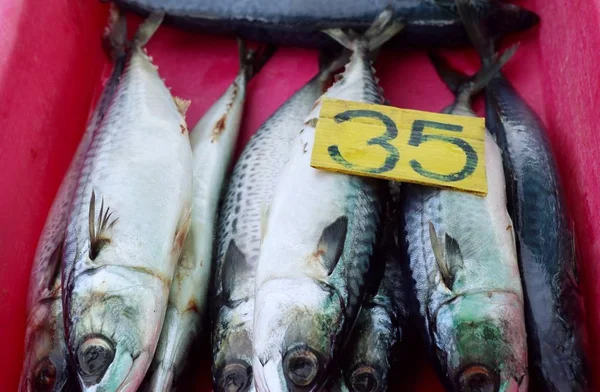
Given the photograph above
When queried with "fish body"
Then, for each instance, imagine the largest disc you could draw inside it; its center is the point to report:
(213, 140)
(239, 235)
(127, 224)
(545, 239)
(545, 242)
(46, 364)
(317, 245)
(467, 286)
(428, 22)
(383, 317)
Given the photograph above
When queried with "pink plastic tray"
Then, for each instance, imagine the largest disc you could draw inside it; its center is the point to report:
(52, 67)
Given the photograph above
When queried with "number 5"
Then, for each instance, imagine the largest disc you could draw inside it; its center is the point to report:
(417, 138)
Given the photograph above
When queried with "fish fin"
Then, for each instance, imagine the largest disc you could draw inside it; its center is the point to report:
(252, 61)
(454, 258)
(148, 28)
(331, 61)
(460, 83)
(115, 33)
(54, 266)
(331, 243)
(380, 31)
(182, 105)
(448, 262)
(453, 78)
(264, 221)
(98, 230)
(234, 263)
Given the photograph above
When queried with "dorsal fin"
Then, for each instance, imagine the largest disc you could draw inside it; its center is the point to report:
(98, 230)
(331, 243)
(233, 264)
(448, 259)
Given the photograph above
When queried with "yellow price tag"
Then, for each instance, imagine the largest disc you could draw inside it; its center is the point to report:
(402, 145)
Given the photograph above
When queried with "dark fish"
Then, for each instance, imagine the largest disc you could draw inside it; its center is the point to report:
(383, 317)
(545, 238)
(428, 22)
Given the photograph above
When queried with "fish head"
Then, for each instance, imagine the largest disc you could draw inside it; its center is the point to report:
(113, 326)
(45, 367)
(366, 363)
(232, 348)
(297, 327)
(480, 342)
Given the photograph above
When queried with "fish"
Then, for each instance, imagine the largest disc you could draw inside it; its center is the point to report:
(545, 238)
(45, 367)
(126, 226)
(318, 242)
(241, 217)
(384, 315)
(213, 140)
(462, 255)
(428, 22)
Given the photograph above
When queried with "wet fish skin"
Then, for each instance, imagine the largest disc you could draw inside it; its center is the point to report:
(428, 22)
(465, 271)
(248, 193)
(126, 226)
(213, 141)
(383, 317)
(554, 311)
(45, 366)
(318, 241)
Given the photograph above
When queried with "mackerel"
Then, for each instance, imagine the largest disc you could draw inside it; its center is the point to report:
(126, 226)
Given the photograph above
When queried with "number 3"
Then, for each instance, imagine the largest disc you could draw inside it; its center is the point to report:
(417, 138)
(391, 132)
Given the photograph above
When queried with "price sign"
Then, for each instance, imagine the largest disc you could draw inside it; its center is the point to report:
(402, 145)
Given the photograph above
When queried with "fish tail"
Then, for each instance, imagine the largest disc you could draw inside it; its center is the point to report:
(383, 29)
(115, 33)
(460, 83)
(252, 61)
(147, 29)
(331, 61)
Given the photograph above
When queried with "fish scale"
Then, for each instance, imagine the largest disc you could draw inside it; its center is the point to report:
(248, 193)
(319, 237)
(126, 226)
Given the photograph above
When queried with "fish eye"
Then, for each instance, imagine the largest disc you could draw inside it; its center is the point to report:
(44, 375)
(94, 356)
(364, 379)
(301, 366)
(478, 378)
(235, 376)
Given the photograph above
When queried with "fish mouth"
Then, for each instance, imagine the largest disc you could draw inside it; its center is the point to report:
(478, 378)
(365, 379)
(266, 377)
(234, 376)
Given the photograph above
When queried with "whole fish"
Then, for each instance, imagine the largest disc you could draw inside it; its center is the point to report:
(287, 22)
(45, 367)
(241, 215)
(318, 241)
(464, 266)
(545, 239)
(383, 317)
(213, 140)
(127, 224)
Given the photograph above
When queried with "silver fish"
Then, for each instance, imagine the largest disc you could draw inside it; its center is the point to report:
(318, 243)
(462, 254)
(248, 193)
(45, 367)
(127, 224)
(384, 315)
(213, 140)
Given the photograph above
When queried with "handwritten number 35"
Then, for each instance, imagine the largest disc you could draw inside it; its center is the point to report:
(416, 139)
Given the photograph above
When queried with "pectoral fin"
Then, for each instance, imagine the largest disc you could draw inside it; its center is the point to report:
(234, 264)
(449, 258)
(98, 230)
(331, 243)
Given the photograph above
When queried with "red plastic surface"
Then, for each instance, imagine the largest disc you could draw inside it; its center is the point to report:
(52, 67)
